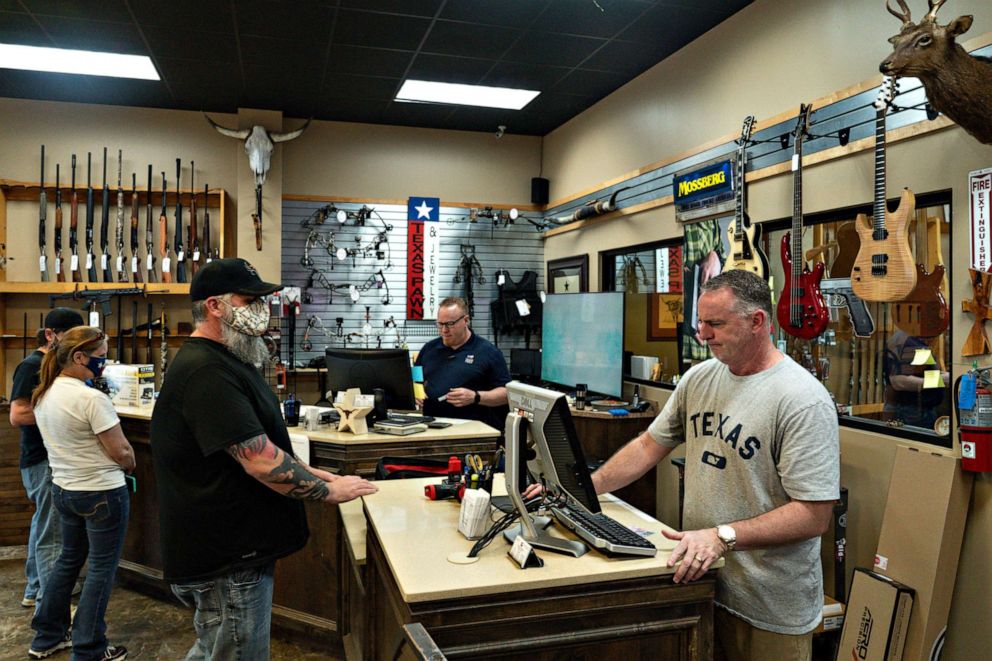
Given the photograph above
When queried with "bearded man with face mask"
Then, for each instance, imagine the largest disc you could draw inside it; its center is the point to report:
(229, 486)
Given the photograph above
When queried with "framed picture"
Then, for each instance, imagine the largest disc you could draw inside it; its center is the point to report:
(568, 275)
(664, 316)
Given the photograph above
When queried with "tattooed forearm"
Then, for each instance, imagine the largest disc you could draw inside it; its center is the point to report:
(278, 470)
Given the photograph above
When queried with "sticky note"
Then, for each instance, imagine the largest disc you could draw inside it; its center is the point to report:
(923, 357)
(932, 379)
(418, 391)
(418, 373)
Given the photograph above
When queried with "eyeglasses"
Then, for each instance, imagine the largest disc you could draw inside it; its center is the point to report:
(450, 324)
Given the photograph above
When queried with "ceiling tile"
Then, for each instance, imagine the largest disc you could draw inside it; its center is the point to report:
(417, 114)
(304, 21)
(360, 87)
(445, 69)
(110, 10)
(667, 23)
(629, 58)
(94, 35)
(585, 18)
(184, 15)
(359, 28)
(289, 55)
(482, 119)
(450, 38)
(209, 46)
(124, 92)
(508, 13)
(211, 86)
(351, 109)
(553, 49)
(584, 82)
(19, 28)
(368, 61)
(408, 7)
(524, 76)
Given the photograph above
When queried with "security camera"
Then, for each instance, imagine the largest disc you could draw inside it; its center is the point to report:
(500, 130)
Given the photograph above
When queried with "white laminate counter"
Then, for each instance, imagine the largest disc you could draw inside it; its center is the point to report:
(460, 430)
(417, 536)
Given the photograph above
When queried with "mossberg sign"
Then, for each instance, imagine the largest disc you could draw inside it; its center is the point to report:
(706, 182)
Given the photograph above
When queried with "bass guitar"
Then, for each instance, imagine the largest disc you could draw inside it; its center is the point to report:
(802, 311)
(745, 253)
(884, 269)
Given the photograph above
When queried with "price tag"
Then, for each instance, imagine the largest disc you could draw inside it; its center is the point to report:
(120, 263)
(134, 264)
(89, 261)
(150, 262)
(42, 263)
(795, 162)
(523, 553)
(74, 263)
(94, 318)
(181, 256)
(58, 266)
(103, 261)
(166, 263)
(196, 255)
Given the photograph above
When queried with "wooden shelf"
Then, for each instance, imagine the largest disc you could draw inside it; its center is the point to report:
(79, 287)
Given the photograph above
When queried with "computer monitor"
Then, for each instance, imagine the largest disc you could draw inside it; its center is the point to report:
(541, 418)
(368, 369)
(525, 364)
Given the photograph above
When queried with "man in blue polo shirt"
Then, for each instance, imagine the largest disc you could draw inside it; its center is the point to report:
(464, 374)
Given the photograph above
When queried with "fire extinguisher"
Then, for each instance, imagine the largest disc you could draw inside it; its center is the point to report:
(975, 428)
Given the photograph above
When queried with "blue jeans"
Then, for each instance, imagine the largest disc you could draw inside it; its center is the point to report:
(93, 528)
(233, 614)
(44, 539)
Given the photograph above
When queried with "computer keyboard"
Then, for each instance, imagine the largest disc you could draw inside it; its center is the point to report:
(409, 419)
(603, 533)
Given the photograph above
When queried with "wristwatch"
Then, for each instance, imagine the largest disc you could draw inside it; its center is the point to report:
(727, 535)
(478, 397)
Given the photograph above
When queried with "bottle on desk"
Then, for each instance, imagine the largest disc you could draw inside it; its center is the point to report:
(636, 400)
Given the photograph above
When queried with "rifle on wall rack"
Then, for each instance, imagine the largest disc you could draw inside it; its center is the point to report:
(59, 273)
(121, 271)
(135, 262)
(149, 237)
(42, 217)
(73, 224)
(206, 223)
(194, 241)
(163, 236)
(90, 257)
(108, 275)
(91, 297)
(178, 241)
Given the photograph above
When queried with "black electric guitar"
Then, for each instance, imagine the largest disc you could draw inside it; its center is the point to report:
(884, 269)
(745, 253)
(802, 311)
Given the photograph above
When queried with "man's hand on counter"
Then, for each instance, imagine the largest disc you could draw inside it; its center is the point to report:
(348, 487)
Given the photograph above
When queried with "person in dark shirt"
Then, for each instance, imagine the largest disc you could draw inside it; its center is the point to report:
(229, 486)
(464, 374)
(44, 539)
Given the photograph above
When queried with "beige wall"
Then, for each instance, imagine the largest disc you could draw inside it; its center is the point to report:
(764, 61)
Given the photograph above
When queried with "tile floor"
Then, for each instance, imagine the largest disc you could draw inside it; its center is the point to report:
(150, 628)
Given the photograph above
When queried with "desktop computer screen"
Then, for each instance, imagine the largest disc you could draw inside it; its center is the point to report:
(525, 364)
(368, 369)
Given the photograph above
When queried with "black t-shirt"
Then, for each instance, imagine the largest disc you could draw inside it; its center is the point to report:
(25, 381)
(215, 518)
(476, 365)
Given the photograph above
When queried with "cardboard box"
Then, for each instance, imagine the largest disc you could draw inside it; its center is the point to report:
(130, 385)
(878, 616)
(833, 616)
(920, 540)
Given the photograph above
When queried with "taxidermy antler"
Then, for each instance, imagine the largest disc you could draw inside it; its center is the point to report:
(957, 84)
(258, 145)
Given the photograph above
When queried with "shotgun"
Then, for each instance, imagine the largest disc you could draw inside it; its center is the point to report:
(135, 268)
(134, 332)
(42, 217)
(149, 359)
(73, 224)
(194, 241)
(149, 237)
(206, 223)
(178, 240)
(108, 275)
(59, 273)
(90, 257)
(163, 236)
(121, 271)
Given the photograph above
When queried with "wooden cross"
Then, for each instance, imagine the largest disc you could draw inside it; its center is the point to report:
(977, 342)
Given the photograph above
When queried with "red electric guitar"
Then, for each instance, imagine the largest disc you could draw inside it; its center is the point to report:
(802, 311)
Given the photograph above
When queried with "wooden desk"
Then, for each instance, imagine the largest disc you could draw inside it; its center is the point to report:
(593, 606)
(309, 585)
(602, 434)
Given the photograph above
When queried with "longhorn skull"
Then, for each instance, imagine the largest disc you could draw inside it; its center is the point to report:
(258, 146)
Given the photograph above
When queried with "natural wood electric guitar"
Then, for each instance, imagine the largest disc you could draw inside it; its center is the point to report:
(802, 312)
(884, 269)
(745, 253)
(924, 312)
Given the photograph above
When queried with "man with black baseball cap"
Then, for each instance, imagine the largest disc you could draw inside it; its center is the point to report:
(229, 486)
(44, 538)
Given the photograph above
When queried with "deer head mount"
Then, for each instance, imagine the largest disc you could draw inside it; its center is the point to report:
(957, 84)
(259, 144)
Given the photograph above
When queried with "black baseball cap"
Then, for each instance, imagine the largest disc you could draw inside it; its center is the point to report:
(62, 319)
(229, 276)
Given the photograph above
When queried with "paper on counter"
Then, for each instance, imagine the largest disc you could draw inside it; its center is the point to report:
(932, 379)
(923, 357)
(301, 447)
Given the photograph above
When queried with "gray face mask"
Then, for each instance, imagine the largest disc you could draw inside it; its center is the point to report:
(252, 319)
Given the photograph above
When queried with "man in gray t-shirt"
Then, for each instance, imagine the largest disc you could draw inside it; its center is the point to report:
(762, 472)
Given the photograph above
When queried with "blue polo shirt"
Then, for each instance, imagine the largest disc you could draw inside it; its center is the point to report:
(476, 365)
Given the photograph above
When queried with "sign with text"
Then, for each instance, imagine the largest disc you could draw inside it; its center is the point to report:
(422, 271)
(980, 197)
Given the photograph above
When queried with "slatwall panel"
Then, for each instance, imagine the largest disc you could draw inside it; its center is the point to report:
(516, 248)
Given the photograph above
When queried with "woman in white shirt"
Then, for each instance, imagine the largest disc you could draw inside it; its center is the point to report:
(89, 455)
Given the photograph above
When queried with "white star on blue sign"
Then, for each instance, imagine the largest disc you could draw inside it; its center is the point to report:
(423, 208)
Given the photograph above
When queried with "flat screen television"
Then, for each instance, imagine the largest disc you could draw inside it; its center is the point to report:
(369, 369)
(582, 341)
